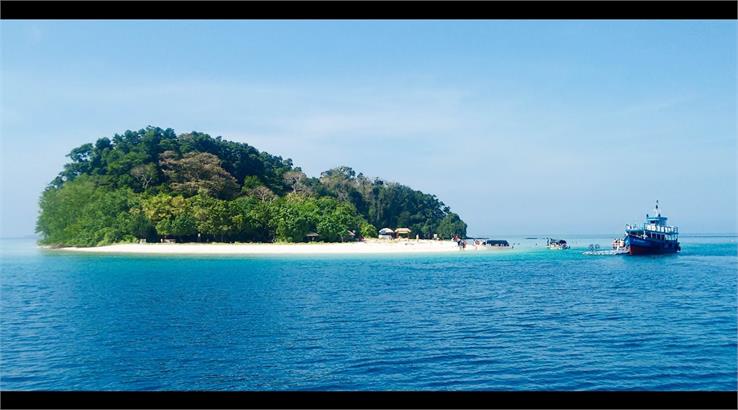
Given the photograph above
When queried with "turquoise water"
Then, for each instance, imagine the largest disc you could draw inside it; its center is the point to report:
(524, 319)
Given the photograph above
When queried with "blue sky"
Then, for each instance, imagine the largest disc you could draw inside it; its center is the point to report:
(521, 127)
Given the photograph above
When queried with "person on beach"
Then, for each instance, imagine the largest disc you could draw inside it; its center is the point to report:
(459, 242)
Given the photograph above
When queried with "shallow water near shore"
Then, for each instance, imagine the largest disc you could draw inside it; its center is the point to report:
(525, 319)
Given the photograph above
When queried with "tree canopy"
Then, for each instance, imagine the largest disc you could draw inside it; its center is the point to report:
(153, 184)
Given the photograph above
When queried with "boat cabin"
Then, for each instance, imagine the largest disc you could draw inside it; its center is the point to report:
(655, 227)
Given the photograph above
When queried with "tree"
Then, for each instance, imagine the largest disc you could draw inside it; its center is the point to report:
(215, 218)
(262, 193)
(145, 174)
(182, 226)
(81, 213)
(297, 181)
(80, 164)
(249, 224)
(262, 215)
(140, 226)
(198, 172)
(339, 181)
(451, 225)
(295, 216)
(171, 215)
(336, 220)
(367, 230)
(251, 182)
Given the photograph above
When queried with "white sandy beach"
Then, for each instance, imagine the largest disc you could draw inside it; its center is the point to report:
(368, 247)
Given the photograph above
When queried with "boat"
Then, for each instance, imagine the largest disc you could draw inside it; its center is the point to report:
(605, 252)
(496, 244)
(556, 244)
(618, 244)
(655, 236)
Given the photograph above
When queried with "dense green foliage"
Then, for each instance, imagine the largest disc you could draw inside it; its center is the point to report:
(153, 184)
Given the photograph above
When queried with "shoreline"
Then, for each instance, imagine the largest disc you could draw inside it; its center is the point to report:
(367, 247)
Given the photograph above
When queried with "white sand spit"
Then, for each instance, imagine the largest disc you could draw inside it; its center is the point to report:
(370, 246)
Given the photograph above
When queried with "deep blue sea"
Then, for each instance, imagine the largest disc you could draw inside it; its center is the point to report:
(524, 319)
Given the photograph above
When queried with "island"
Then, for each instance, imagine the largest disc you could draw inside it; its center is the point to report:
(154, 189)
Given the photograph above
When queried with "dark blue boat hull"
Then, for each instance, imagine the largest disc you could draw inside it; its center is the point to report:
(649, 246)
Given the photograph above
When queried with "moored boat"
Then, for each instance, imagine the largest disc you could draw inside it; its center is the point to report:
(618, 244)
(655, 236)
(556, 244)
(496, 244)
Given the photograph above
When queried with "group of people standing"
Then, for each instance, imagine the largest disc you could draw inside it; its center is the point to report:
(460, 242)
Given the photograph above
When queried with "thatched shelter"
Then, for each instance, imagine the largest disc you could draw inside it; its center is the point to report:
(403, 231)
(311, 236)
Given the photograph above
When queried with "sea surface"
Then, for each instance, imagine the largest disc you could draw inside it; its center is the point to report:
(523, 319)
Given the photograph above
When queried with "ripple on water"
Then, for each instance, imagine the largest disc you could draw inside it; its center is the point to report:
(529, 320)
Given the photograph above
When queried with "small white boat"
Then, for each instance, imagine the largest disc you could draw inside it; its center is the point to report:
(619, 244)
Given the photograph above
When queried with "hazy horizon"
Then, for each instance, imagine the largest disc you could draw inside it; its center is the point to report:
(537, 127)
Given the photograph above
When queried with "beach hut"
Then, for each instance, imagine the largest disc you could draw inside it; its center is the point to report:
(311, 236)
(403, 231)
(386, 233)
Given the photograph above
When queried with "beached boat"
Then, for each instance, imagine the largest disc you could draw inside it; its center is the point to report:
(556, 244)
(496, 244)
(653, 237)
